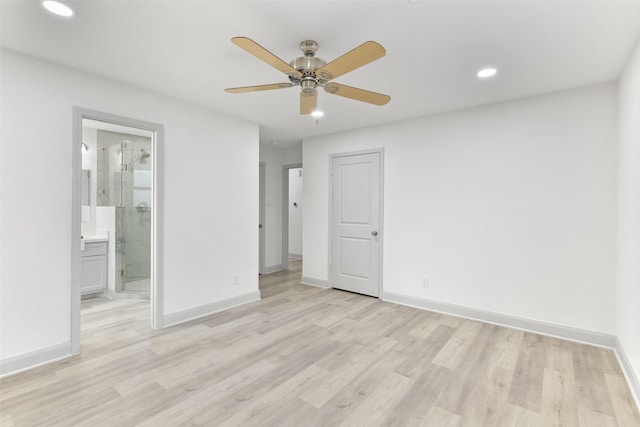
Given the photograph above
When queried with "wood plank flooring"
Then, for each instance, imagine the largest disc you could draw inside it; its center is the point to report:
(304, 356)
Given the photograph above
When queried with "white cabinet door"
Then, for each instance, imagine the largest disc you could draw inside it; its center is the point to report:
(355, 223)
(93, 268)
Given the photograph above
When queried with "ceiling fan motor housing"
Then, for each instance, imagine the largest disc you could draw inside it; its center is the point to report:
(307, 66)
(308, 63)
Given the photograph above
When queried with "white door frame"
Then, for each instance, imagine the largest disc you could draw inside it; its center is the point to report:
(156, 285)
(285, 212)
(380, 151)
(261, 200)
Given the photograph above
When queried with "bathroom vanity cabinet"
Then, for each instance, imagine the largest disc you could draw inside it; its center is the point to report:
(93, 260)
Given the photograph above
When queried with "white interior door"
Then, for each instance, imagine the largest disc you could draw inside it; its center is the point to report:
(355, 223)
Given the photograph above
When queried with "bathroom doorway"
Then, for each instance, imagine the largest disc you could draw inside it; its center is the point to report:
(117, 199)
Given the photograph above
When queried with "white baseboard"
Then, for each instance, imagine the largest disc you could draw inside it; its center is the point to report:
(297, 256)
(631, 374)
(23, 362)
(173, 319)
(312, 281)
(564, 332)
(274, 269)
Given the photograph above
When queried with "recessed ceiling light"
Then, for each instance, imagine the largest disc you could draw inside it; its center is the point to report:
(485, 73)
(317, 113)
(58, 8)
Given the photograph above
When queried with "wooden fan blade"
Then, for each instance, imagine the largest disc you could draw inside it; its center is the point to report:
(356, 58)
(258, 88)
(308, 102)
(261, 53)
(357, 94)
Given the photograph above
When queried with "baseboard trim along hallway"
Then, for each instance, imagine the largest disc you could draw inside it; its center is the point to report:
(629, 371)
(173, 319)
(23, 362)
(312, 281)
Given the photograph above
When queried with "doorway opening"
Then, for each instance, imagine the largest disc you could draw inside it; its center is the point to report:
(292, 214)
(116, 215)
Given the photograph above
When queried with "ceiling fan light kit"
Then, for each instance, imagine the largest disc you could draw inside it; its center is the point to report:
(310, 72)
(486, 73)
(58, 8)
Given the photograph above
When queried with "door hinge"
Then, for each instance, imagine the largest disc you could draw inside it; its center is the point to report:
(123, 272)
(124, 167)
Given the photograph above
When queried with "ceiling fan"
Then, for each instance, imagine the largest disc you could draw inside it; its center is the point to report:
(310, 72)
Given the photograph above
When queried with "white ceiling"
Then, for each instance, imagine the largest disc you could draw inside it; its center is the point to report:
(434, 48)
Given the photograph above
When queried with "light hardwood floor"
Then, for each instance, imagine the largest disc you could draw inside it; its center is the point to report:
(305, 356)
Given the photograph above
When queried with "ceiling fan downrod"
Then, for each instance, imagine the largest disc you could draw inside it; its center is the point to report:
(309, 47)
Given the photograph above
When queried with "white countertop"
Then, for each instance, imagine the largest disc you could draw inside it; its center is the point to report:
(97, 238)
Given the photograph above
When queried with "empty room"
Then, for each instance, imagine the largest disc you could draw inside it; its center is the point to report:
(319, 213)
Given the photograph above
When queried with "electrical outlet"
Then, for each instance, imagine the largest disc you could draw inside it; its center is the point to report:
(425, 282)
(236, 280)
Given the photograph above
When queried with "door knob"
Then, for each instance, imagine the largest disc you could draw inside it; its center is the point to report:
(374, 233)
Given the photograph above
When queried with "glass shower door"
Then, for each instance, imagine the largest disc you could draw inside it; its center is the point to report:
(124, 181)
(135, 217)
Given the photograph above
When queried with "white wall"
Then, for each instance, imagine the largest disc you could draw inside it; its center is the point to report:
(628, 296)
(90, 162)
(508, 208)
(295, 212)
(275, 158)
(209, 228)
